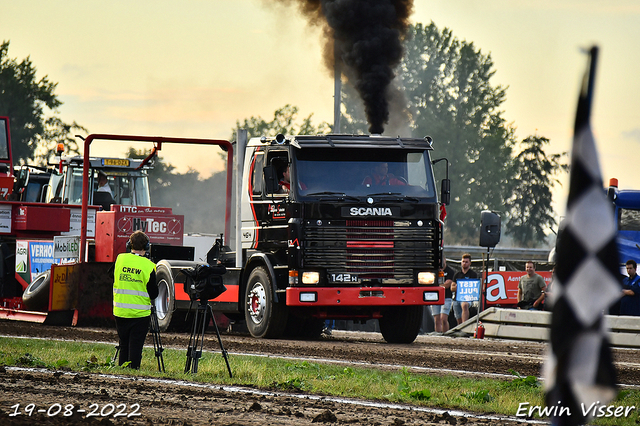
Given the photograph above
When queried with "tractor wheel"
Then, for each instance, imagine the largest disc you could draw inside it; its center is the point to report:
(36, 295)
(264, 317)
(165, 302)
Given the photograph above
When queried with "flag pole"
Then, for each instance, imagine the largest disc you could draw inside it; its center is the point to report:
(579, 369)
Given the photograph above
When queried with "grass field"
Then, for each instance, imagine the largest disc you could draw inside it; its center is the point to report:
(403, 386)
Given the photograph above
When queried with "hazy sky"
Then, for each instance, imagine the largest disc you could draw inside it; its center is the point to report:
(192, 68)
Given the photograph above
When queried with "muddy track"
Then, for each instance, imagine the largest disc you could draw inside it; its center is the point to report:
(180, 404)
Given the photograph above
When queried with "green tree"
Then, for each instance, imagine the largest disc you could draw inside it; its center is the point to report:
(353, 119)
(530, 203)
(447, 82)
(56, 131)
(24, 99)
(447, 85)
(284, 121)
(200, 200)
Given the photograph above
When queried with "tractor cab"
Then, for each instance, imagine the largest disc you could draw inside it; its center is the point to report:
(126, 182)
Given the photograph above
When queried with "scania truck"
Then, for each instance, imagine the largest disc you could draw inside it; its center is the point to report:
(333, 227)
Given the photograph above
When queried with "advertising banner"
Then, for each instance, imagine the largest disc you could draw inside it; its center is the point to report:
(5, 219)
(35, 257)
(66, 247)
(502, 287)
(63, 292)
(75, 222)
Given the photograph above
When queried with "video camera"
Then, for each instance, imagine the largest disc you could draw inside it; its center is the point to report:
(204, 282)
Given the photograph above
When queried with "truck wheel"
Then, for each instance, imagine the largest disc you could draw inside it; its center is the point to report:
(36, 295)
(165, 301)
(263, 316)
(303, 328)
(401, 324)
(312, 329)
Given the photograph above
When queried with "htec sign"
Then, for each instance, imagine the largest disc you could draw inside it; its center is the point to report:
(68, 247)
(160, 228)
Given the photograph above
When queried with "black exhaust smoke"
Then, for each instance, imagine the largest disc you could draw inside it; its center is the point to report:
(366, 37)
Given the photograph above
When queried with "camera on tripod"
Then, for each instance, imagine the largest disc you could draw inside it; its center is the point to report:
(204, 282)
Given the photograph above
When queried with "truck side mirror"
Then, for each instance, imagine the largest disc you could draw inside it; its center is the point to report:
(270, 179)
(445, 192)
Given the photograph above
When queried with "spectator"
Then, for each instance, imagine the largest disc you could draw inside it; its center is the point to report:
(531, 289)
(440, 313)
(461, 309)
(630, 303)
(548, 299)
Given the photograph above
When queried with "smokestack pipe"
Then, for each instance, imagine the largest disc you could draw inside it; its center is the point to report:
(337, 89)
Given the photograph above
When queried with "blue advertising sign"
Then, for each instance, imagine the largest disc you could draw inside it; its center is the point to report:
(40, 256)
(468, 290)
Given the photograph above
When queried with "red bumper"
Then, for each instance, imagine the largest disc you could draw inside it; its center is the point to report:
(369, 296)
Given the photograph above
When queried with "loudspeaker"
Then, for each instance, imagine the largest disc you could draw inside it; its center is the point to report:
(489, 229)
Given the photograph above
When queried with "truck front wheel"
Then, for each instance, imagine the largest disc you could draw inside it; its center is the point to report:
(165, 302)
(264, 317)
(401, 324)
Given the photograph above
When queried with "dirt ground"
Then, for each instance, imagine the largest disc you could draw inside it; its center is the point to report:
(188, 404)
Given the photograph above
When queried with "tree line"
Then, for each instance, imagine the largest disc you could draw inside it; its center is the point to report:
(444, 89)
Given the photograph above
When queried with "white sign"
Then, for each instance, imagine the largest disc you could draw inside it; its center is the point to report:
(5, 219)
(22, 256)
(467, 290)
(68, 247)
(75, 223)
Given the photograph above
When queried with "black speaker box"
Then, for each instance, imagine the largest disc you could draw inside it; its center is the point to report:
(489, 229)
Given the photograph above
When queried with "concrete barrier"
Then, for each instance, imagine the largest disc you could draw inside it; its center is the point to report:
(624, 331)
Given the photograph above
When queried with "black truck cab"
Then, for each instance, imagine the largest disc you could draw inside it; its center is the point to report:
(349, 227)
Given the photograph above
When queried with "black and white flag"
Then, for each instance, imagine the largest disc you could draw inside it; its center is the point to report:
(579, 372)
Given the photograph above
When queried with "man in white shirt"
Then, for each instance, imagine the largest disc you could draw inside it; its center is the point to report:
(103, 184)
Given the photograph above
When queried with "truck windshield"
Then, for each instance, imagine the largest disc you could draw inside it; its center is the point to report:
(628, 234)
(127, 187)
(362, 172)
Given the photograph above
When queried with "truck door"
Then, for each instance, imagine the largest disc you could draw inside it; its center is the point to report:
(252, 212)
(277, 194)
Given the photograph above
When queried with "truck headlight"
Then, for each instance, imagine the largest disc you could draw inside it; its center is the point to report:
(426, 278)
(310, 277)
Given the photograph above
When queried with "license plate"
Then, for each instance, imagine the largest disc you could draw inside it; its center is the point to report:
(343, 278)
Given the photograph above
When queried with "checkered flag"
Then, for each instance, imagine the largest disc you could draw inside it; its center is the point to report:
(579, 370)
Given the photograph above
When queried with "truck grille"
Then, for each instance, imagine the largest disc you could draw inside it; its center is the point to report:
(372, 249)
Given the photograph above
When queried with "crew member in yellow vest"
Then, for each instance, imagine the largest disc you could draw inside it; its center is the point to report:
(134, 288)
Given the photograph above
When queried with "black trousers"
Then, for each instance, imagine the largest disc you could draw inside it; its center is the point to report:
(132, 333)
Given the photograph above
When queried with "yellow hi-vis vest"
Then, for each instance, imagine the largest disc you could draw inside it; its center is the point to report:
(131, 275)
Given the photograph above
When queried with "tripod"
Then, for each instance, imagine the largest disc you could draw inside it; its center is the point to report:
(200, 321)
(154, 327)
(157, 343)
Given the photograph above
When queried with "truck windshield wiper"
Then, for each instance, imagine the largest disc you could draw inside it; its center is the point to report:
(396, 196)
(338, 195)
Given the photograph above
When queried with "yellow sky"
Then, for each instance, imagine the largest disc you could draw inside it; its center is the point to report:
(191, 69)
